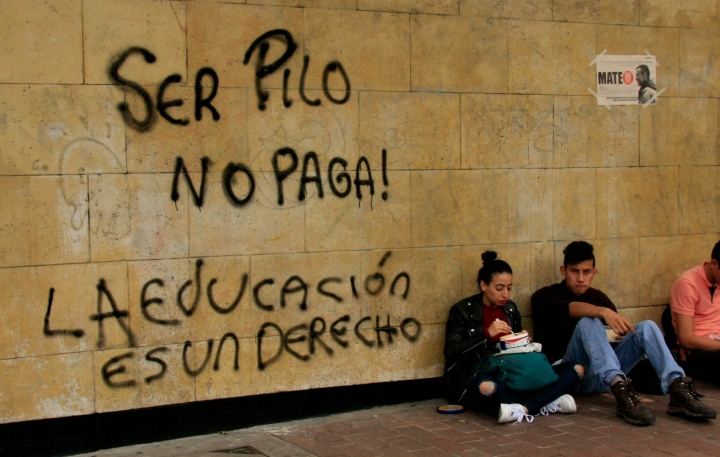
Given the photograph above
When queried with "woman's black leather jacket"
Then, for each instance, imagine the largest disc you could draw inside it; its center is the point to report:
(465, 342)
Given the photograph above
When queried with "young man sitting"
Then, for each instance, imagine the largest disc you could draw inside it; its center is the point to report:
(695, 307)
(568, 321)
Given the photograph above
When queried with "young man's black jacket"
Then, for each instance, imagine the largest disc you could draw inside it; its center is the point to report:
(466, 343)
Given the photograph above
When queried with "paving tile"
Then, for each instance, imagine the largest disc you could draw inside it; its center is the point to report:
(545, 431)
(534, 440)
(588, 422)
(367, 441)
(489, 448)
(428, 424)
(473, 453)
(353, 451)
(329, 438)
(430, 452)
(504, 440)
(702, 446)
(379, 431)
(447, 444)
(405, 442)
(456, 435)
(465, 426)
(577, 430)
(342, 429)
(485, 435)
(668, 448)
(609, 452)
(625, 434)
(416, 432)
(577, 442)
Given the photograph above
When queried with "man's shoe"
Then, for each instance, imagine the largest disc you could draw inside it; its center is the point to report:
(629, 406)
(684, 400)
(513, 412)
(564, 404)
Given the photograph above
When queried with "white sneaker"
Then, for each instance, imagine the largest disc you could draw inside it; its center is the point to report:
(564, 404)
(513, 412)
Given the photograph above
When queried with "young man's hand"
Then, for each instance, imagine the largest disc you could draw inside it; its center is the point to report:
(618, 323)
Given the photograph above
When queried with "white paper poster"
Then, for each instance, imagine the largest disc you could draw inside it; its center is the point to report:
(626, 80)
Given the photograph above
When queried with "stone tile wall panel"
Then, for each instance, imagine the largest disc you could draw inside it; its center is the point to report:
(334, 4)
(539, 10)
(219, 35)
(698, 200)
(74, 301)
(699, 68)
(376, 56)
(143, 382)
(588, 135)
(529, 208)
(328, 130)
(60, 130)
(448, 7)
(135, 218)
(419, 130)
(110, 29)
(680, 131)
(193, 317)
(434, 279)
(574, 203)
(459, 54)
(261, 226)
(506, 131)
(596, 12)
(43, 220)
(550, 58)
(41, 387)
(330, 220)
(637, 201)
(453, 208)
(47, 48)
(695, 14)
(222, 141)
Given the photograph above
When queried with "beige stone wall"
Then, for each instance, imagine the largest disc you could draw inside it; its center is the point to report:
(116, 296)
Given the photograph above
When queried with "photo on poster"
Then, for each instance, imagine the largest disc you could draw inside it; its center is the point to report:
(626, 80)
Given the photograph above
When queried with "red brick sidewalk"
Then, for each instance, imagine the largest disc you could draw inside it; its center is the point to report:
(417, 430)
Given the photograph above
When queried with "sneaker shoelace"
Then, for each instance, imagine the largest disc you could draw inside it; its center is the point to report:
(549, 408)
(519, 414)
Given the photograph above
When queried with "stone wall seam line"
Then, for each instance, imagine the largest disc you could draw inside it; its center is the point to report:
(82, 36)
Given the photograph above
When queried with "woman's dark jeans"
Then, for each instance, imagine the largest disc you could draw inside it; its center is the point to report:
(533, 400)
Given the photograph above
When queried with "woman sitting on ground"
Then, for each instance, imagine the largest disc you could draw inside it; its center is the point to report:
(473, 328)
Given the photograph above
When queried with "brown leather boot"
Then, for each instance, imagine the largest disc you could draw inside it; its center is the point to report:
(629, 406)
(684, 400)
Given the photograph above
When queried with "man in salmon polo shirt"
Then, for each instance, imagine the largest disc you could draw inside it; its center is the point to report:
(695, 307)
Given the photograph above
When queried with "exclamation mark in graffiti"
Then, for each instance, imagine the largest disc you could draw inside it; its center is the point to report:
(384, 173)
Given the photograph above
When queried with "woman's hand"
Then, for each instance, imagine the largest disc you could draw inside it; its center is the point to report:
(499, 328)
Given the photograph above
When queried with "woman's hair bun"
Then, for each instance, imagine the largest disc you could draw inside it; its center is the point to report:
(488, 256)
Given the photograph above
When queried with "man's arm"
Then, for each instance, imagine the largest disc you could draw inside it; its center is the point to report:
(615, 321)
(687, 337)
